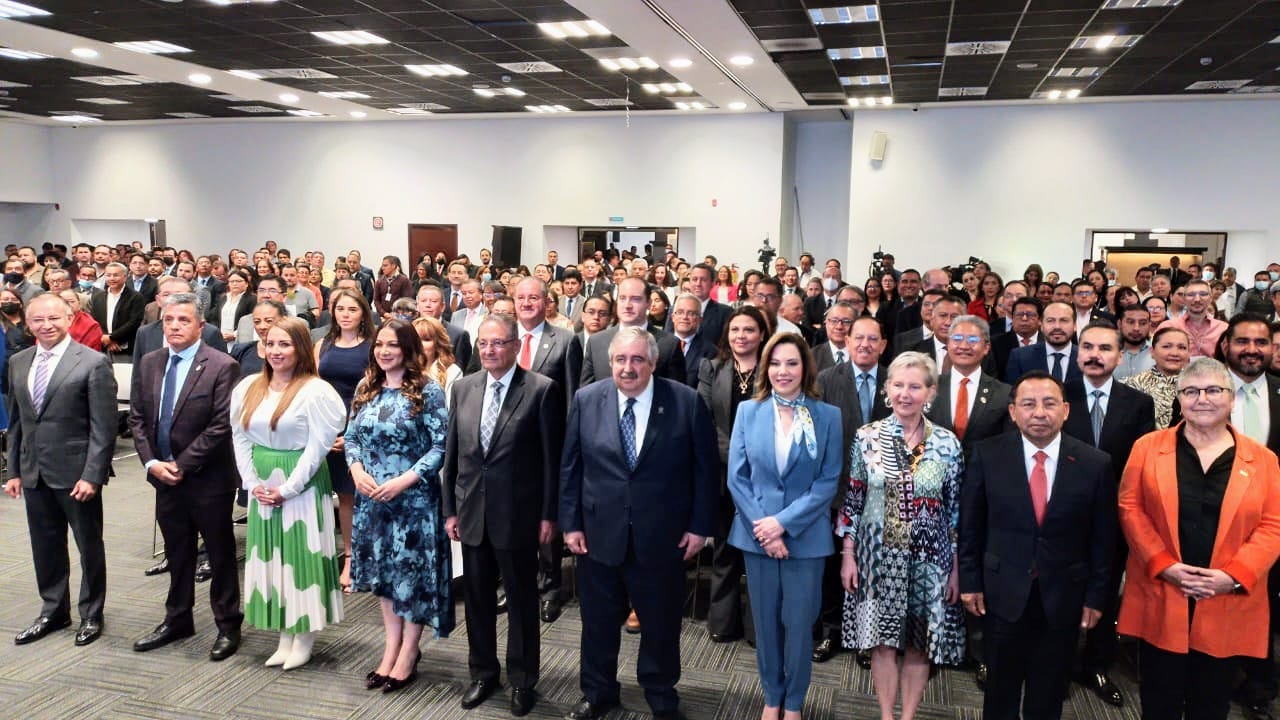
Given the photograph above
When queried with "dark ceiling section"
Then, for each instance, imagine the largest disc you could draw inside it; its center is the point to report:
(475, 35)
(1229, 42)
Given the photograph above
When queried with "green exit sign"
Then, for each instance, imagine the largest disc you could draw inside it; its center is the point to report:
(615, 218)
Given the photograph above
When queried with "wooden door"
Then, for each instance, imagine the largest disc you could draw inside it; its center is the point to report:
(427, 240)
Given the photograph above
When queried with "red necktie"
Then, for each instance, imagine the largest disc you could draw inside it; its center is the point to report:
(1039, 487)
(526, 352)
(962, 408)
(1026, 342)
(684, 346)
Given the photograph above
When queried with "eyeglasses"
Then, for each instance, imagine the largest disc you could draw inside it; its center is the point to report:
(762, 297)
(496, 344)
(685, 313)
(840, 322)
(970, 339)
(1026, 315)
(857, 339)
(1083, 293)
(1213, 392)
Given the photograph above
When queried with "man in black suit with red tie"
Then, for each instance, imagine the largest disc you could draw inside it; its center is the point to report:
(639, 480)
(179, 412)
(1035, 550)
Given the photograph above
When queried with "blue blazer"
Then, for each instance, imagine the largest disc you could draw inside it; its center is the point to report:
(1034, 357)
(673, 490)
(800, 498)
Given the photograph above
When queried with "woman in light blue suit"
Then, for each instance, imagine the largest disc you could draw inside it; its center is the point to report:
(784, 467)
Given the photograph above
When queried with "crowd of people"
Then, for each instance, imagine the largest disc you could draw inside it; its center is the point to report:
(937, 468)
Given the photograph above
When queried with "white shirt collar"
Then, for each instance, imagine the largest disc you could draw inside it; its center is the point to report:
(1259, 383)
(536, 331)
(505, 379)
(58, 350)
(644, 399)
(1052, 449)
(1105, 387)
(974, 377)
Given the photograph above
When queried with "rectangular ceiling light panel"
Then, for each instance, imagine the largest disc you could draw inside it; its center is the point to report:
(856, 53)
(844, 14)
(962, 91)
(436, 70)
(865, 80)
(13, 54)
(574, 29)
(351, 37)
(10, 9)
(153, 47)
(1130, 4)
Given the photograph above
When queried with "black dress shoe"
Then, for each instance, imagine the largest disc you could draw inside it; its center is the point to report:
(161, 636)
(225, 646)
(550, 609)
(204, 571)
(587, 710)
(1102, 686)
(502, 604)
(90, 630)
(725, 638)
(479, 691)
(824, 650)
(980, 676)
(864, 659)
(159, 568)
(38, 629)
(522, 701)
(669, 715)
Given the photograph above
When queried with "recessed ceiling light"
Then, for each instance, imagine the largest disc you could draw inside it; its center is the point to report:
(886, 100)
(21, 54)
(853, 102)
(117, 79)
(865, 80)
(971, 91)
(547, 108)
(152, 47)
(103, 101)
(1055, 94)
(74, 118)
(10, 9)
(856, 53)
(435, 70)
(484, 92)
(351, 37)
(200, 78)
(627, 63)
(1073, 93)
(846, 14)
(86, 53)
(1127, 4)
(1104, 42)
(1084, 72)
(288, 98)
(737, 105)
(187, 115)
(680, 62)
(344, 94)
(576, 29)
(246, 74)
(667, 88)
(306, 113)
(1159, 231)
(357, 114)
(741, 60)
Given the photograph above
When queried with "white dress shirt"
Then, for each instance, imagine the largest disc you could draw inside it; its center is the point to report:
(1050, 464)
(505, 381)
(783, 441)
(974, 378)
(1106, 395)
(939, 352)
(1066, 358)
(644, 402)
(113, 299)
(58, 351)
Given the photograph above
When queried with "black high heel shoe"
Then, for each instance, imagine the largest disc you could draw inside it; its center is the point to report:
(391, 684)
(374, 680)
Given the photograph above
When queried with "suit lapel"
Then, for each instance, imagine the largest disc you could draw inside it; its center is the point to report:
(943, 400)
(69, 360)
(723, 391)
(545, 343)
(981, 404)
(21, 371)
(657, 420)
(514, 395)
(1242, 473)
(794, 451)
(193, 376)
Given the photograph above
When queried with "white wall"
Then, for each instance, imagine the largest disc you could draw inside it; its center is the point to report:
(822, 184)
(26, 170)
(110, 232)
(25, 223)
(1022, 184)
(317, 185)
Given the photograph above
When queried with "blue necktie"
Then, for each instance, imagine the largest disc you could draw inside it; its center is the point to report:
(864, 396)
(1057, 367)
(165, 452)
(629, 433)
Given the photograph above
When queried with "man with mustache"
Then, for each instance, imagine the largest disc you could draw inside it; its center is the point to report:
(1110, 416)
(1055, 353)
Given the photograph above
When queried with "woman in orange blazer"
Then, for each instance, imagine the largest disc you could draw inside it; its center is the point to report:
(1200, 507)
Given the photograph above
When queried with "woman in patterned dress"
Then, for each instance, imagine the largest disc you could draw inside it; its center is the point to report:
(284, 421)
(899, 522)
(1171, 350)
(395, 445)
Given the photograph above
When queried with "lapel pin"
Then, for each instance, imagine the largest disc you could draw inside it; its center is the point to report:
(1071, 458)
(982, 400)
(659, 409)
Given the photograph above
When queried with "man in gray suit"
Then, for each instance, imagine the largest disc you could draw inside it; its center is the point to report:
(431, 303)
(62, 433)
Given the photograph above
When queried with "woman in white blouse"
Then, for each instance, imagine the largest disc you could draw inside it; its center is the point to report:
(237, 302)
(284, 420)
(439, 361)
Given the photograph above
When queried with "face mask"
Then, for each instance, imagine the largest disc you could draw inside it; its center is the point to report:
(1274, 276)
(830, 284)
(1261, 285)
(486, 277)
(84, 285)
(1111, 283)
(11, 308)
(13, 278)
(1207, 275)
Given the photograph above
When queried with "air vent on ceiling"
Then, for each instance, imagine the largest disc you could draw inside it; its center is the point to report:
(962, 91)
(791, 44)
(255, 109)
(823, 96)
(294, 73)
(991, 47)
(118, 79)
(1257, 89)
(609, 102)
(526, 68)
(1218, 84)
(424, 106)
(186, 115)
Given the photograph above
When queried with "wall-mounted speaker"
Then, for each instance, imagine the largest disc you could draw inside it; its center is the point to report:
(879, 142)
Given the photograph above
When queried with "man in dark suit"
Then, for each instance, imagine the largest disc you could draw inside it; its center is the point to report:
(714, 315)
(856, 386)
(1055, 354)
(696, 345)
(970, 402)
(554, 266)
(909, 316)
(1084, 298)
(556, 354)
(1035, 549)
(632, 305)
(815, 308)
(139, 279)
(945, 309)
(431, 303)
(921, 332)
(62, 430)
(499, 495)
(151, 337)
(593, 283)
(118, 310)
(1110, 416)
(1024, 314)
(835, 350)
(179, 415)
(636, 503)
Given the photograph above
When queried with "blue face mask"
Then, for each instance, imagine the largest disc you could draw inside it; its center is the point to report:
(1261, 285)
(486, 277)
(1274, 276)
(84, 284)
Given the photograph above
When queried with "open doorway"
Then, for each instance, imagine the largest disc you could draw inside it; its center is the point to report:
(653, 243)
(1127, 250)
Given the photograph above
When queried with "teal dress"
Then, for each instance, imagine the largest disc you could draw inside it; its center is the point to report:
(399, 548)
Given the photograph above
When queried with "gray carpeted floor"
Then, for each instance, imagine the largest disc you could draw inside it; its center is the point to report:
(54, 679)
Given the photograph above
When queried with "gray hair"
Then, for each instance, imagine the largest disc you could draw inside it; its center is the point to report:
(628, 335)
(186, 298)
(1205, 367)
(542, 286)
(172, 279)
(119, 266)
(841, 305)
(917, 360)
(984, 329)
(690, 296)
(506, 322)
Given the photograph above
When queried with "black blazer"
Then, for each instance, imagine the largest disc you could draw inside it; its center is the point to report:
(701, 348)
(908, 318)
(712, 325)
(838, 386)
(150, 338)
(1034, 357)
(595, 358)
(128, 315)
(815, 309)
(213, 315)
(559, 357)
(990, 414)
(715, 387)
(148, 289)
(1002, 346)
(503, 495)
(822, 358)
(1002, 550)
(461, 341)
(1130, 415)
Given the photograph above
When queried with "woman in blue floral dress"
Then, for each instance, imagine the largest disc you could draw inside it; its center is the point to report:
(395, 445)
(901, 513)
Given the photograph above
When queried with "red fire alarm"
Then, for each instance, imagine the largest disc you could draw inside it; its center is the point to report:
(377, 223)
(714, 202)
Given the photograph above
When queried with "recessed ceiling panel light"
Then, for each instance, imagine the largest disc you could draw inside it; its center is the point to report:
(103, 101)
(1104, 42)
(1055, 94)
(973, 91)
(344, 94)
(357, 114)
(435, 70)
(845, 14)
(865, 80)
(117, 79)
(200, 78)
(306, 113)
(682, 105)
(8, 84)
(288, 98)
(1073, 93)
(1028, 65)
(1084, 72)
(741, 60)
(187, 115)
(987, 47)
(75, 118)
(152, 47)
(1159, 231)
(254, 109)
(680, 62)
(484, 92)
(13, 54)
(856, 53)
(246, 74)
(1131, 4)
(737, 105)
(1218, 84)
(10, 9)
(886, 100)
(83, 52)
(575, 29)
(351, 37)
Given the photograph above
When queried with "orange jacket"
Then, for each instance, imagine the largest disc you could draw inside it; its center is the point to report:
(1246, 545)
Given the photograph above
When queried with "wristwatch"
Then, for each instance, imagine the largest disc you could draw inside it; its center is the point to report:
(1237, 589)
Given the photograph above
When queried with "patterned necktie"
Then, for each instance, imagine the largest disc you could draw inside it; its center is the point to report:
(1252, 419)
(1057, 366)
(839, 356)
(1095, 415)
(455, 301)
(628, 427)
(962, 408)
(1039, 487)
(41, 382)
(864, 396)
(684, 346)
(167, 399)
(526, 352)
(490, 419)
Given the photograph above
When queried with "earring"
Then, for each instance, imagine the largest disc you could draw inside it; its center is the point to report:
(887, 403)
(927, 407)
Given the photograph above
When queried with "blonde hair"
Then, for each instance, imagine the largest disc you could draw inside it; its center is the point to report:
(304, 369)
(429, 327)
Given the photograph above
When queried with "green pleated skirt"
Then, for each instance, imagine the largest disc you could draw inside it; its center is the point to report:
(291, 571)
